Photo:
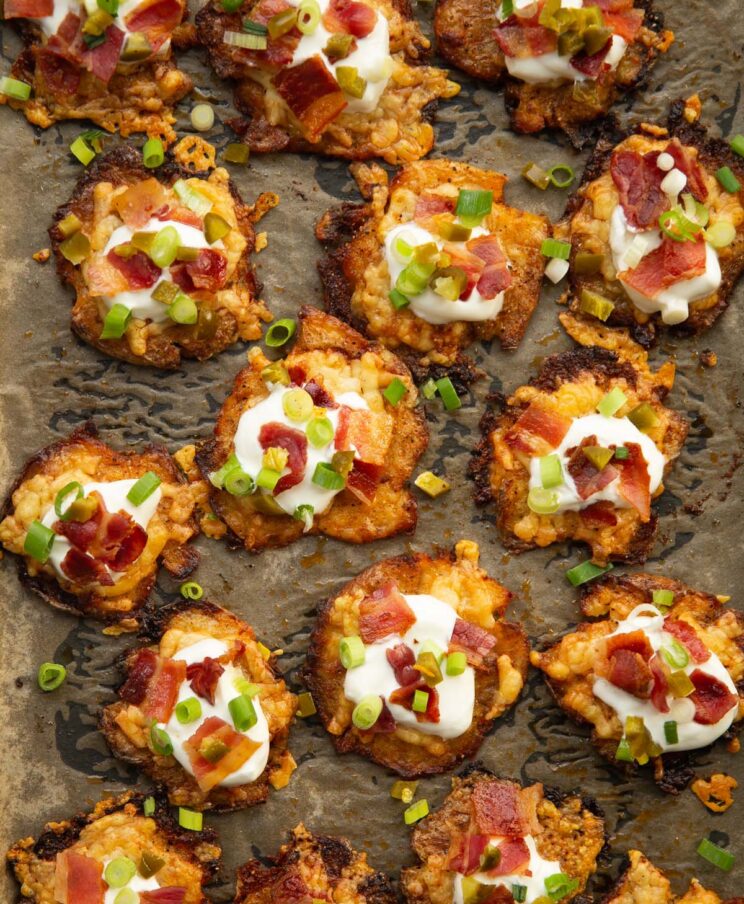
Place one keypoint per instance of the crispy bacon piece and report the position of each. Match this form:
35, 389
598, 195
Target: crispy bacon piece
688, 637
312, 94
240, 750
320, 397
591, 64
169, 894
103, 60
180, 214
466, 260
367, 431
140, 202
466, 852
280, 51
403, 696
84, 569
538, 430
203, 677
473, 641
629, 672
61, 75
349, 17
522, 37
661, 685
429, 206
495, 277
635, 641
139, 675
671, 262
77, 879
587, 478
635, 483
600, 514
685, 161
208, 272
515, 857
113, 538
138, 271
502, 808
295, 443
363, 481
402, 659
152, 684
622, 18
27, 9
156, 17
638, 181
385, 723
711, 697
290, 888
384, 612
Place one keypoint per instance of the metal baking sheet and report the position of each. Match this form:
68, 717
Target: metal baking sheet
53, 760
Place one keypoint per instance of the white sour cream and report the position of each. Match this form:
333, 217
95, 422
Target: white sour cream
114, 495
691, 734
250, 454
435, 621
50, 24
371, 59
428, 305
673, 303
136, 883
610, 431
140, 301
224, 693
540, 868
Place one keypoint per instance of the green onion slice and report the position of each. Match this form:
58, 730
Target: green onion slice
282, 23
153, 153
115, 322
728, 180
190, 819
308, 16
720, 234
473, 205
416, 812
148, 806
266, 478
50, 676
612, 402
217, 478
68, 490
280, 332
188, 710
38, 542
542, 501
325, 477
662, 597
623, 752
670, 732
119, 872
14, 89
367, 712
561, 181
621, 453
304, 513
238, 483
160, 740
298, 405
551, 472
81, 150
737, 145
183, 310
716, 855
586, 571
555, 248
519, 893
420, 701
448, 394
394, 391
675, 225
675, 655
191, 590
351, 652
320, 432
193, 199
456, 663
398, 299
429, 389
144, 488
559, 885
165, 246
536, 176
242, 712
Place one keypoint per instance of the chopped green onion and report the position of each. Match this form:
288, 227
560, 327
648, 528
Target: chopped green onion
202, 117
557, 181
367, 712
584, 264
254, 28
720, 234
267, 479
50, 676
327, 478
350, 81
192, 198
115, 322
14, 89
612, 402
237, 483
119, 872
595, 304
623, 752
242, 712
420, 701
536, 176
643, 417
191, 590
148, 806
675, 225
716, 855
153, 153
188, 710
161, 742
351, 652
737, 145
320, 432
183, 310
394, 391
217, 478
473, 205
253, 40
662, 597
38, 542
231, 6
68, 490
416, 812
306, 705
675, 655
298, 405
144, 488
308, 16
276, 372
559, 885
431, 484
586, 571
694, 210
448, 394
414, 278
280, 332
457, 662
398, 299
165, 246
282, 23
542, 501
126, 896
670, 732
507, 8
402, 251
555, 248
429, 389
728, 180
82, 150
519, 893
190, 819
235, 152
109, 6
304, 513
621, 453
551, 472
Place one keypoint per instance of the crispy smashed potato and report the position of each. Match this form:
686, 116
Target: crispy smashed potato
457, 580
106, 191
571, 384
571, 831
356, 280
320, 867
118, 827
715, 793
84, 458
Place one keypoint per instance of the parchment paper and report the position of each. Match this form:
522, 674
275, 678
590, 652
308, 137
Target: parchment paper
53, 760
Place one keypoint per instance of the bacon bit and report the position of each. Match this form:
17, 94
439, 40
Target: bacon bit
626, 24
403, 696
385, 723
429, 207
495, 277
661, 686
518, 37
466, 852
240, 750
515, 857
83, 569
42, 256
350, 17
169, 894
688, 637
140, 202
295, 443
472, 640
384, 612
630, 673
537, 431
320, 397
28, 9
157, 18
312, 94
77, 879
693, 108
585, 475
103, 60
369, 432
635, 641
635, 483
502, 808
113, 538
297, 375
279, 52
162, 690
139, 675
290, 888
180, 214
600, 514
402, 659
362, 482
138, 270
208, 272
711, 697
203, 677
638, 181
591, 65
715, 793
60, 74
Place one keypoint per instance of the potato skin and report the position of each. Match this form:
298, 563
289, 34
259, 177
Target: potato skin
573, 382
192, 858
175, 512
321, 338
586, 229
356, 281
328, 865
611, 599
465, 38
161, 348
480, 599
573, 833
207, 619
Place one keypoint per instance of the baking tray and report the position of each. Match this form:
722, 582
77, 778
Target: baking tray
54, 762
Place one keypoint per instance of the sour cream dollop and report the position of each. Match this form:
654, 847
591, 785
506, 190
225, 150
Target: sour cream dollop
435, 621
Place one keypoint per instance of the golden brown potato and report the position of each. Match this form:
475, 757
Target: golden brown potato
356, 279
465, 35
330, 353
478, 601
82, 457
586, 223
398, 130
117, 827
570, 385
116, 191
565, 827
571, 665
643, 883
126, 724
317, 866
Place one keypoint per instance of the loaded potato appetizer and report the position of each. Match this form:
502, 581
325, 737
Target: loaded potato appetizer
313, 867
563, 63
203, 711
657, 229
411, 663
128, 849
658, 673
494, 842
90, 525
336, 77
109, 62
433, 262
581, 451
322, 441
159, 261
